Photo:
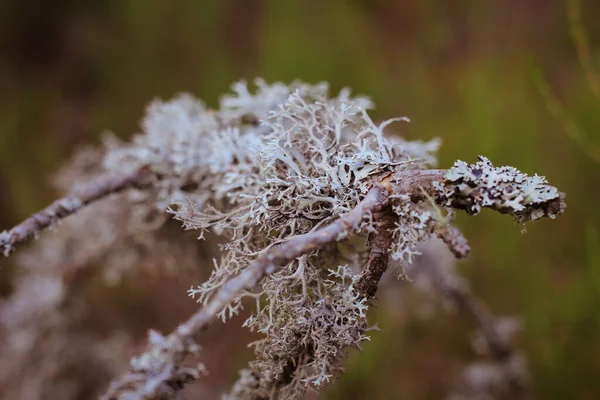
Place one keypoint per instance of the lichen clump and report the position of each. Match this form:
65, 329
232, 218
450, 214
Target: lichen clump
266, 166
276, 171
285, 161
505, 189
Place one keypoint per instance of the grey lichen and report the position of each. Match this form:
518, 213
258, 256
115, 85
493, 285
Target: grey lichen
505, 189
286, 173
310, 161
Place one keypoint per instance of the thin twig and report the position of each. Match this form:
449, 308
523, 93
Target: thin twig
60, 209
456, 242
496, 342
486, 322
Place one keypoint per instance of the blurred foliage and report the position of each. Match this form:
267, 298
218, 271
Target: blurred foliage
507, 80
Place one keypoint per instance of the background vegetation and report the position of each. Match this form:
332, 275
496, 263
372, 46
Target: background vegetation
514, 81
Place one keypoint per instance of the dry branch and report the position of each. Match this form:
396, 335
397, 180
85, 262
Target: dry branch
157, 372
60, 209
496, 340
456, 242
271, 187
154, 373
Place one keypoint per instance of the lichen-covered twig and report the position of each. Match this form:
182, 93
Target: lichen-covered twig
454, 240
365, 286
315, 169
501, 371
153, 373
497, 342
60, 209
471, 187
375, 199
499, 349
494, 333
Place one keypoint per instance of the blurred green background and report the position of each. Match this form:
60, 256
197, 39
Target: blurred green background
512, 80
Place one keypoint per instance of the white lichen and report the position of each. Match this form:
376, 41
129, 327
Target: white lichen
505, 189
268, 165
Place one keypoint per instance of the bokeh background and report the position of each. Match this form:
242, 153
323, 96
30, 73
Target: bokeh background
516, 81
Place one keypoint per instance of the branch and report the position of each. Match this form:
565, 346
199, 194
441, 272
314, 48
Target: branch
486, 322
471, 187
454, 240
379, 257
368, 282
497, 341
157, 372
153, 373
60, 209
